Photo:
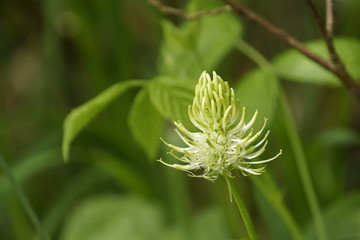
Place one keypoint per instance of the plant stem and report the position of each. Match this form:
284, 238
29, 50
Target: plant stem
242, 208
23, 200
303, 169
294, 141
269, 189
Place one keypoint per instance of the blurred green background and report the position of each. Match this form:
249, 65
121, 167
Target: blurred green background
56, 55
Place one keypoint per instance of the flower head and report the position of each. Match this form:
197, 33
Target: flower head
225, 141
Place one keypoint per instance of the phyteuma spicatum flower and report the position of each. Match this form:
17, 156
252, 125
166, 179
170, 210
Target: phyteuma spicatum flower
225, 141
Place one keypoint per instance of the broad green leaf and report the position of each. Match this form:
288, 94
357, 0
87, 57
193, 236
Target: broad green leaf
342, 220
199, 44
294, 66
172, 97
82, 115
178, 53
146, 124
258, 90
215, 35
112, 218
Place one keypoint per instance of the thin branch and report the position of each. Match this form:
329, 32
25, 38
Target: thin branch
336, 66
329, 17
326, 33
317, 16
326, 30
279, 33
188, 16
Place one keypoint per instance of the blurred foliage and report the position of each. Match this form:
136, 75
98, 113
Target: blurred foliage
291, 64
342, 219
115, 217
68, 66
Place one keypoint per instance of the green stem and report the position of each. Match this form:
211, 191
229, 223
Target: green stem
300, 159
269, 189
242, 208
255, 56
303, 169
23, 200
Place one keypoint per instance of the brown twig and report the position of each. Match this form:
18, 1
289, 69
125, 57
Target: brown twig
336, 66
329, 17
317, 16
279, 33
327, 34
188, 16
324, 33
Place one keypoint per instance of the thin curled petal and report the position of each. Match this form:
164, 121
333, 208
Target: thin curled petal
184, 130
180, 167
256, 154
266, 160
182, 159
256, 135
251, 122
173, 147
256, 171
238, 127
188, 142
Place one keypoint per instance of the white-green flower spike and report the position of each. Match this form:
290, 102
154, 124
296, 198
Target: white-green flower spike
225, 141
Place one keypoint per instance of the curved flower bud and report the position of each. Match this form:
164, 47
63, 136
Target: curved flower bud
225, 141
